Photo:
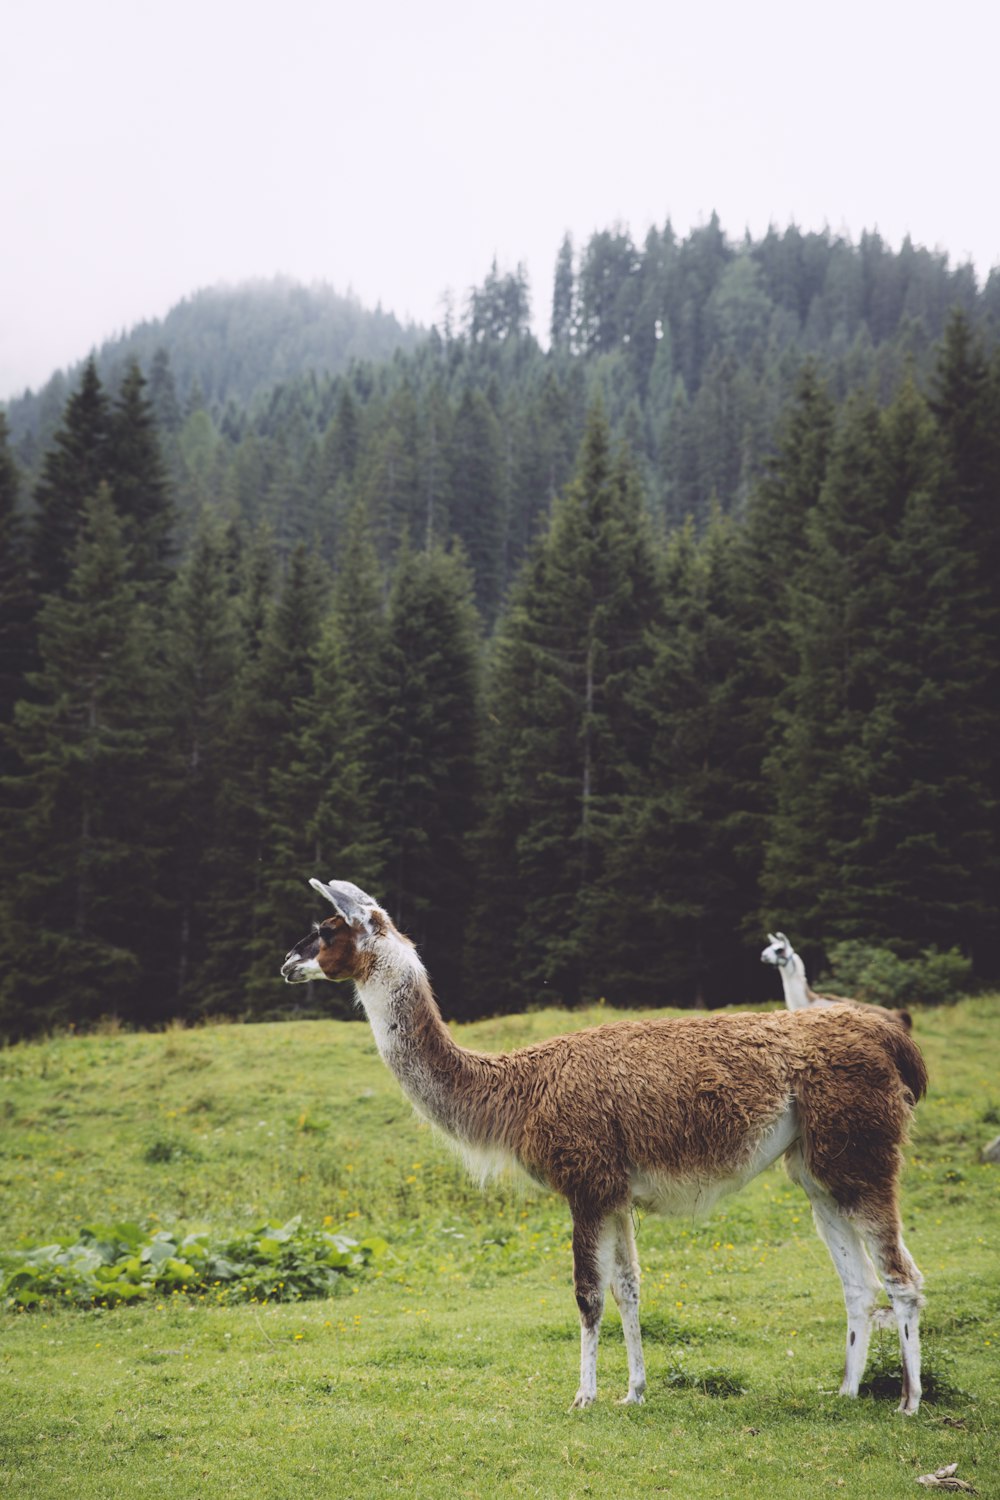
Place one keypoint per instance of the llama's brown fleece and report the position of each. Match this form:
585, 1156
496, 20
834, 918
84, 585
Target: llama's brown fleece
584, 1111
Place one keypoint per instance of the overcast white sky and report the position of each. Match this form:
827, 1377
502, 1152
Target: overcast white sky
395, 148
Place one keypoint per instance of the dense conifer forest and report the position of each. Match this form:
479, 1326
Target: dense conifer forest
592, 659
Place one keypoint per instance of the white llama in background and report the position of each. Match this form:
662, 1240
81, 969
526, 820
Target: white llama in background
664, 1114
798, 993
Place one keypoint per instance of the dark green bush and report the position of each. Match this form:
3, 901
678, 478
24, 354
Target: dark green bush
883, 978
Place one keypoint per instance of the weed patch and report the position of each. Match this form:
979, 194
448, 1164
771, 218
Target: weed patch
109, 1264
712, 1381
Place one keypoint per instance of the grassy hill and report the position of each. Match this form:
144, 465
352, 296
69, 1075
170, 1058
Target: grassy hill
448, 1366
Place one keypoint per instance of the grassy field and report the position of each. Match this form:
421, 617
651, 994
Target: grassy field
448, 1367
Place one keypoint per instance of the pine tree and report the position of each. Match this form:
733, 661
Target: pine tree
816, 773
139, 481
233, 859
163, 394
926, 857
342, 441
479, 500
774, 554
17, 602
271, 697
391, 481
86, 746
679, 863
324, 813
202, 661
881, 824
560, 734
427, 758
74, 466
436, 467
563, 297
966, 402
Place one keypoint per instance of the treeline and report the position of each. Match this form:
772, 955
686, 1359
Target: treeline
278, 402
643, 747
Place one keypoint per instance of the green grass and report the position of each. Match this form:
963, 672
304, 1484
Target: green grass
448, 1367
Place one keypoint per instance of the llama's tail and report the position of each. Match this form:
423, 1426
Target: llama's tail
905, 1054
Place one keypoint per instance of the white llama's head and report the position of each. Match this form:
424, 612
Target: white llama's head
779, 950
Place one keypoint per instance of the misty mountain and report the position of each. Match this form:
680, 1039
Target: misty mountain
227, 344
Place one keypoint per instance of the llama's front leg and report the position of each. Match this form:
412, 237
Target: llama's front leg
625, 1289
593, 1250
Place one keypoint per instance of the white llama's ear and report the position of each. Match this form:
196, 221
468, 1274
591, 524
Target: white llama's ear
771, 938
782, 939
348, 901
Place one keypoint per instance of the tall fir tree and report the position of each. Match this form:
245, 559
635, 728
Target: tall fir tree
679, 861
426, 758
324, 813
17, 600
881, 824
816, 772
163, 394
479, 497
563, 300
270, 698
74, 466
559, 735
87, 748
926, 860
139, 481
965, 399
201, 648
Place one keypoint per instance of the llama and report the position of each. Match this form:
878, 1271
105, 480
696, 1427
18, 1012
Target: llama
799, 995
667, 1115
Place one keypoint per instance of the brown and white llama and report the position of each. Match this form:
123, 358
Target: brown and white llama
799, 994
664, 1114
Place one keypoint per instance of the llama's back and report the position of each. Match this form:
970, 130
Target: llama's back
696, 1095
692, 1096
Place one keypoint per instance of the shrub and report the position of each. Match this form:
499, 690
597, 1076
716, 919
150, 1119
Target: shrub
880, 976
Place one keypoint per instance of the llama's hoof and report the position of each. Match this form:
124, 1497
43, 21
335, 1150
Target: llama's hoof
583, 1399
634, 1398
908, 1408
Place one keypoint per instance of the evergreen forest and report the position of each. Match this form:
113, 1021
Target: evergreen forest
592, 658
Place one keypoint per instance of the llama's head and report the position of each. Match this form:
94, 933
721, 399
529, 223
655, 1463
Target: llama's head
779, 950
340, 946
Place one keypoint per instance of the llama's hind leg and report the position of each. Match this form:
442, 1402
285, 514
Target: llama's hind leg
625, 1289
594, 1238
903, 1283
853, 1265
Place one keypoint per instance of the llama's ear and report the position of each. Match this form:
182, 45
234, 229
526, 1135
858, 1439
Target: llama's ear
348, 901
782, 939
771, 938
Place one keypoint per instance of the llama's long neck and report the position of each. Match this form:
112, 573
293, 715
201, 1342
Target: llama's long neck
793, 982
457, 1090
